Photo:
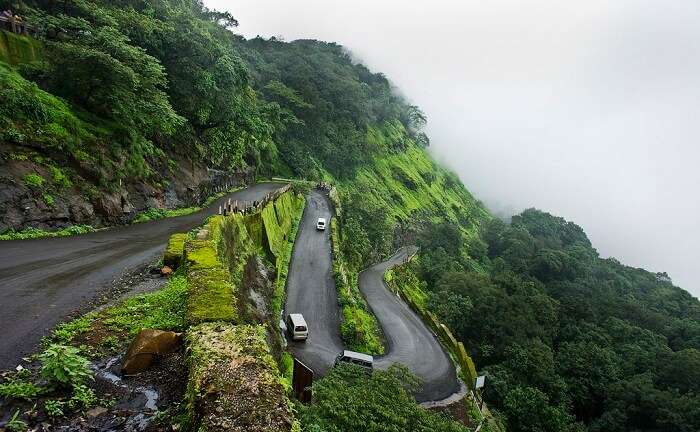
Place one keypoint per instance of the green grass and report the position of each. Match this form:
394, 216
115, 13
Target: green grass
156, 213
16, 49
33, 233
163, 310
360, 329
404, 279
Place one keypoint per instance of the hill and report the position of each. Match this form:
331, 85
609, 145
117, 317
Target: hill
131, 105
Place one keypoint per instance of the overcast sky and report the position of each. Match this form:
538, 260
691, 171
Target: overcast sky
589, 110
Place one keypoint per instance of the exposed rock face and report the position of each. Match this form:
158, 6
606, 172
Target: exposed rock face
81, 199
146, 346
255, 290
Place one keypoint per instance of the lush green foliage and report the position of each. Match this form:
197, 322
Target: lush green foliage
63, 366
19, 389
569, 341
30, 233
157, 213
348, 400
163, 309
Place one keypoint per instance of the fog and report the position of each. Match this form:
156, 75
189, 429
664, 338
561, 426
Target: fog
590, 111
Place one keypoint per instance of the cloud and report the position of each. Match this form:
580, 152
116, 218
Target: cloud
587, 110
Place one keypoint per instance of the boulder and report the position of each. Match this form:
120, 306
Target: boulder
147, 345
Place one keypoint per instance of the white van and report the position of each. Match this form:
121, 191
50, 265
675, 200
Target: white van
296, 327
321, 224
364, 361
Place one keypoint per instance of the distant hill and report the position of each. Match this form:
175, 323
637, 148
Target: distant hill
126, 105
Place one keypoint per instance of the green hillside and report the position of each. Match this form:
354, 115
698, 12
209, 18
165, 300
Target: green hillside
128, 101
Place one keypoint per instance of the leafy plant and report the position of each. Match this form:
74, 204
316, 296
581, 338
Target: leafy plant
15, 424
63, 366
54, 408
33, 180
48, 199
17, 389
83, 397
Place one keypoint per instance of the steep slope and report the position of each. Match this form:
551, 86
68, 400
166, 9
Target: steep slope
133, 100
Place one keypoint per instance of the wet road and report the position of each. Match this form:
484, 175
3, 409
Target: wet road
408, 340
311, 289
311, 292
42, 281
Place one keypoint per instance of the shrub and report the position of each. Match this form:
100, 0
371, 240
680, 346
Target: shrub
60, 178
16, 389
54, 408
63, 366
347, 399
49, 199
33, 180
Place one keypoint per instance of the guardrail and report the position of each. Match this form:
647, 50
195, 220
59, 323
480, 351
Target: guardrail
242, 206
17, 25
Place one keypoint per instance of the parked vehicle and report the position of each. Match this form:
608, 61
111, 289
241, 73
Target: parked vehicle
296, 327
321, 224
364, 361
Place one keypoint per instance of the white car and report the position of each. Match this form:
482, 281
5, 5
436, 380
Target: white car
321, 224
296, 327
364, 361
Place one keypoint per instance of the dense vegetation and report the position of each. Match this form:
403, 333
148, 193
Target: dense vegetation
568, 340
347, 399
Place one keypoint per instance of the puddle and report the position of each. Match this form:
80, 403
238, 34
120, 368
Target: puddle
137, 401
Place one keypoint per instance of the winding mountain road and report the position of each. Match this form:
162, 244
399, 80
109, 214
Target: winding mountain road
42, 281
311, 291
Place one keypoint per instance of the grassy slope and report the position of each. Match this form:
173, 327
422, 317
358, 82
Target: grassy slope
411, 188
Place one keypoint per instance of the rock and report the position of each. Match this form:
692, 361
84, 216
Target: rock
110, 207
166, 271
81, 211
203, 234
146, 346
96, 412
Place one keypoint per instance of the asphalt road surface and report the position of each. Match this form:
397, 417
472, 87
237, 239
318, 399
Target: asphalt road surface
311, 292
408, 340
42, 281
311, 289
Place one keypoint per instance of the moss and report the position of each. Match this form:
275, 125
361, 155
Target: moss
274, 235
172, 257
292, 209
211, 296
16, 49
234, 384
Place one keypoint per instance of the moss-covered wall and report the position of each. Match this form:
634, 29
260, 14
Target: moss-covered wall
16, 49
234, 384
172, 257
211, 294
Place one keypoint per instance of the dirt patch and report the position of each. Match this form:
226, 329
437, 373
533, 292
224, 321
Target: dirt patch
459, 411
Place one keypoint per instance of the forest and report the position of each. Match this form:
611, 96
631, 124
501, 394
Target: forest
569, 341
127, 89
